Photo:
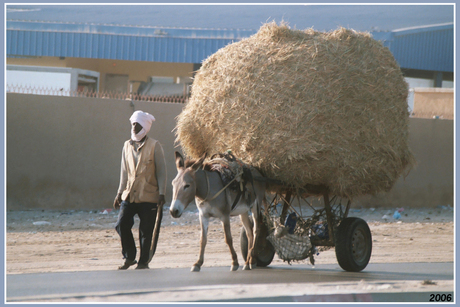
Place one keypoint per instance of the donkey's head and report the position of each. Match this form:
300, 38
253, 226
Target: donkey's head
184, 185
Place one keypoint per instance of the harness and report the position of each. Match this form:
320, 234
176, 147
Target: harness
241, 174
220, 191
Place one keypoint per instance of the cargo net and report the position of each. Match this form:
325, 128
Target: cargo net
292, 241
290, 247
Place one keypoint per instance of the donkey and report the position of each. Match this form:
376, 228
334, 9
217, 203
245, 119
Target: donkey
214, 200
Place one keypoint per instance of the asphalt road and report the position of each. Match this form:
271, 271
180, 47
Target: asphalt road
299, 282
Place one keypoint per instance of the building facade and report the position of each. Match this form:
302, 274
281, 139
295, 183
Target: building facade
127, 56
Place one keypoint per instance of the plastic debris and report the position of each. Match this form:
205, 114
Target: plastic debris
385, 217
106, 211
321, 230
41, 223
290, 223
397, 215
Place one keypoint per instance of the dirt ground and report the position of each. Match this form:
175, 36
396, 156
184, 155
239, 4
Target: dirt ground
41, 241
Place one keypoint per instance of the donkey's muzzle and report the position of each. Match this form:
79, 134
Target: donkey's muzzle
175, 213
176, 208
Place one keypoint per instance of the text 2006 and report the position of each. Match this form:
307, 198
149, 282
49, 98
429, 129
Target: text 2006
440, 297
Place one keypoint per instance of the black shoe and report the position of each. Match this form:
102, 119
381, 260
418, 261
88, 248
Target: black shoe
142, 266
127, 264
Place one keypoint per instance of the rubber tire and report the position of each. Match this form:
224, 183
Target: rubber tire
353, 244
265, 248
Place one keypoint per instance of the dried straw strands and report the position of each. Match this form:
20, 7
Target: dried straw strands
303, 107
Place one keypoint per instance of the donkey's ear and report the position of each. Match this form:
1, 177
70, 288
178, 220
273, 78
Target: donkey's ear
179, 160
200, 161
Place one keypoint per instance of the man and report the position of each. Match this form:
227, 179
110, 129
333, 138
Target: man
141, 191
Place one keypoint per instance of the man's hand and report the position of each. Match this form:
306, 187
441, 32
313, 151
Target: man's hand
117, 202
161, 200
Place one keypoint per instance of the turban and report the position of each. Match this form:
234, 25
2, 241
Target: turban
143, 118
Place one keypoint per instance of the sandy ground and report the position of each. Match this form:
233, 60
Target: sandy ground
63, 241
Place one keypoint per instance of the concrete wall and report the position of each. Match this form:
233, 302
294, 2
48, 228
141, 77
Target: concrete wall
431, 183
64, 153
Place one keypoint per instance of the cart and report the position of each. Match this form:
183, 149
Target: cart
300, 223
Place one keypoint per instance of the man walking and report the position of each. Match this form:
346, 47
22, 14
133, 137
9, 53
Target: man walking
141, 191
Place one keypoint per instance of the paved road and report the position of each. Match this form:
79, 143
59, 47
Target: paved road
299, 282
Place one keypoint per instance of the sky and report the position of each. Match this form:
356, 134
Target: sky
300, 16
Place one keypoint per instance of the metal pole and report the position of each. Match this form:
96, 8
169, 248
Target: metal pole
286, 205
330, 222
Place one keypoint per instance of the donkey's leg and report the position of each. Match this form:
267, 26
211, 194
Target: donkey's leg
229, 241
204, 221
248, 227
256, 229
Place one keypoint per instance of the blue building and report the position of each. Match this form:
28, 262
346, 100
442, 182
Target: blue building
128, 56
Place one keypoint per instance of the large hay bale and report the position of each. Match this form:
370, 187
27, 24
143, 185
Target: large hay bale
304, 107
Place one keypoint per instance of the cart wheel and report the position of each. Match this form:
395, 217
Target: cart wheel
265, 250
353, 244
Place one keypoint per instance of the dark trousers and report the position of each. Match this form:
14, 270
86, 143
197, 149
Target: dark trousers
147, 213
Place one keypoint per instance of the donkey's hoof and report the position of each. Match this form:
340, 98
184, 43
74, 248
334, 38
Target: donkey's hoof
195, 268
246, 267
234, 267
253, 266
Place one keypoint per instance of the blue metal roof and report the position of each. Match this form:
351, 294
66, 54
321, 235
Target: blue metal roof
423, 48
117, 42
128, 30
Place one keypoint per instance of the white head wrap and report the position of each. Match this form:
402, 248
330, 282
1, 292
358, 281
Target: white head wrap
145, 120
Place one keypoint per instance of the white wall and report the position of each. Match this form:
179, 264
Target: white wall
419, 82
413, 83
39, 79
